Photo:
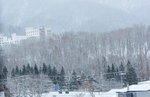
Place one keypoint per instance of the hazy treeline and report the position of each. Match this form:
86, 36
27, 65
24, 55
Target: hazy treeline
90, 53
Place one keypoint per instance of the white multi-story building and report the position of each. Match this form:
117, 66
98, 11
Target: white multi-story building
16, 39
47, 31
37, 32
30, 32
4, 41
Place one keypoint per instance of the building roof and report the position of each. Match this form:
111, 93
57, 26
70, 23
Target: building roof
133, 91
141, 86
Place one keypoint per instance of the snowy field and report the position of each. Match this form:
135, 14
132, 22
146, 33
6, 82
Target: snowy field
78, 94
112, 93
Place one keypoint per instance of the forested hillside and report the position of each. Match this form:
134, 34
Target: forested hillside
90, 53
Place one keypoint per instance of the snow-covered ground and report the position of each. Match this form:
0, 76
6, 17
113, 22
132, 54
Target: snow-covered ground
112, 93
1, 94
79, 94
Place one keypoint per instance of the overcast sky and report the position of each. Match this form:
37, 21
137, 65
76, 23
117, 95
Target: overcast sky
20, 12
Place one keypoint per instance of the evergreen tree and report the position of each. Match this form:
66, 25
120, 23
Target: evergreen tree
121, 67
83, 78
24, 71
49, 71
108, 75
112, 75
131, 77
121, 71
62, 77
17, 71
62, 72
108, 70
20, 72
54, 71
5, 71
113, 68
44, 70
13, 72
54, 75
28, 69
74, 84
36, 71
117, 74
117, 69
